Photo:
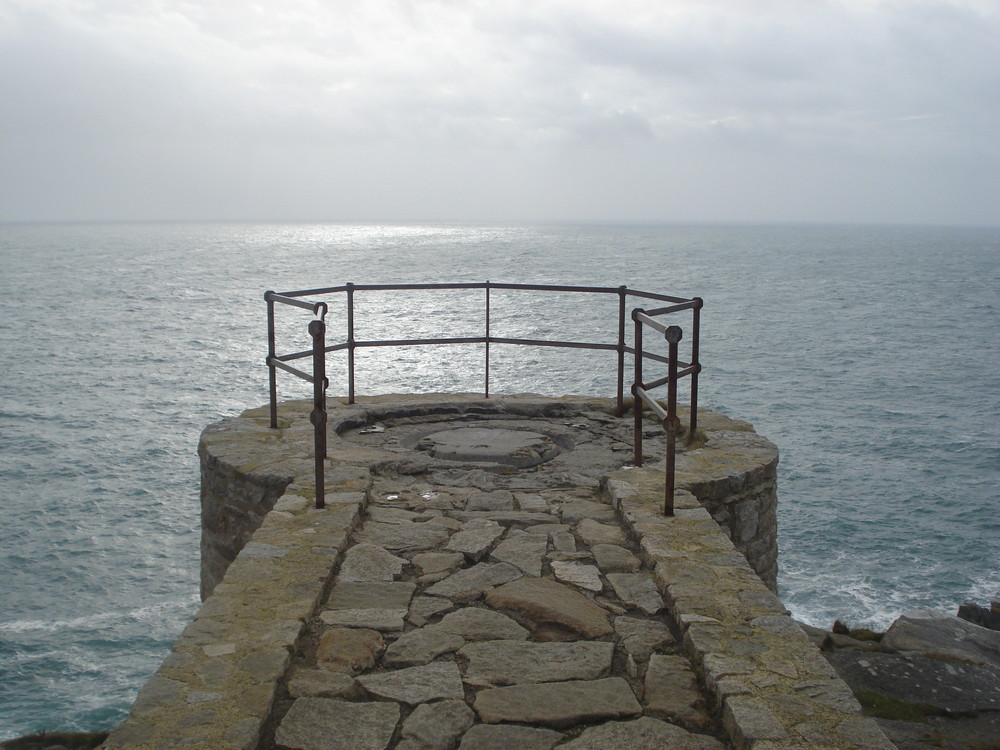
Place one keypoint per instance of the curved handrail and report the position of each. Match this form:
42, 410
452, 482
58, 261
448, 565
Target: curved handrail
640, 317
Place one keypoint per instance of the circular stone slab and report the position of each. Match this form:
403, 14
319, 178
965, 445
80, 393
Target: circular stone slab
518, 448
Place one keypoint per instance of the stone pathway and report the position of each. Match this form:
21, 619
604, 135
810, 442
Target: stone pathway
476, 619
468, 586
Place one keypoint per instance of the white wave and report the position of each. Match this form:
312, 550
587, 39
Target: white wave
101, 620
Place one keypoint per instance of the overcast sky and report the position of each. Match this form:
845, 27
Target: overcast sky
655, 110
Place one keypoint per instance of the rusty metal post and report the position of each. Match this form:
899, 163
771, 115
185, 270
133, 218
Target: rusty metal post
636, 385
673, 336
695, 339
620, 404
317, 329
350, 342
486, 386
272, 375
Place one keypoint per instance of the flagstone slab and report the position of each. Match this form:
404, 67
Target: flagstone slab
435, 726
640, 638
532, 502
475, 538
326, 724
522, 550
376, 605
420, 647
611, 558
563, 541
592, 532
558, 704
414, 685
637, 590
496, 500
369, 562
318, 683
670, 691
520, 662
370, 595
388, 514
547, 529
422, 608
584, 576
384, 620
641, 734
507, 517
403, 537
576, 510
545, 602
469, 584
509, 737
475, 624
348, 650
437, 562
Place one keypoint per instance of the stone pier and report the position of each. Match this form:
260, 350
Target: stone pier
489, 573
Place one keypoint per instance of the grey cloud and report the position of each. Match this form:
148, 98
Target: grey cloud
637, 110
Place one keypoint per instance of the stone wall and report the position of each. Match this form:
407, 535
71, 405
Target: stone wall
733, 474
233, 506
772, 685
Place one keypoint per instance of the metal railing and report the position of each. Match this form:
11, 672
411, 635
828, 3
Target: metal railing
319, 349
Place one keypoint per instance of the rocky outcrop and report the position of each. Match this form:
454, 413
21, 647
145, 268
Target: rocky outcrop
772, 686
933, 680
988, 618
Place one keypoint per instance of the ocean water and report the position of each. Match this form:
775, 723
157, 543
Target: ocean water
868, 354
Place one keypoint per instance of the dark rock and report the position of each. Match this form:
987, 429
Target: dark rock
933, 634
987, 618
930, 686
836, 641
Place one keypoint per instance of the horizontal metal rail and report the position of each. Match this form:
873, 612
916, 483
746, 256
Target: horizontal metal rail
419, 342
285, 297
656, 325
652, 403
317, 330
563, 344
292, 370
665, 380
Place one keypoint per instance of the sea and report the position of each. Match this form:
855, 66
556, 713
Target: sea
869, 354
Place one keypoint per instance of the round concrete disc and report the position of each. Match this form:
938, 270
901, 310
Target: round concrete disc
518, 448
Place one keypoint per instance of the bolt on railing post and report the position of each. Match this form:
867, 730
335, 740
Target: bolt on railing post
695, 339
486, 386
620, 405
350, 342
636, 385
317, 329
272, 375
673, 336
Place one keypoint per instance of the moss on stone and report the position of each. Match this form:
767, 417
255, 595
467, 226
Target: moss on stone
884, 707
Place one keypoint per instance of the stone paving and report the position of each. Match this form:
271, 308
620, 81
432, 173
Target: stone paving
488, 573
496, 618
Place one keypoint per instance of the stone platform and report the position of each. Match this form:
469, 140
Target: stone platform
488, 574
